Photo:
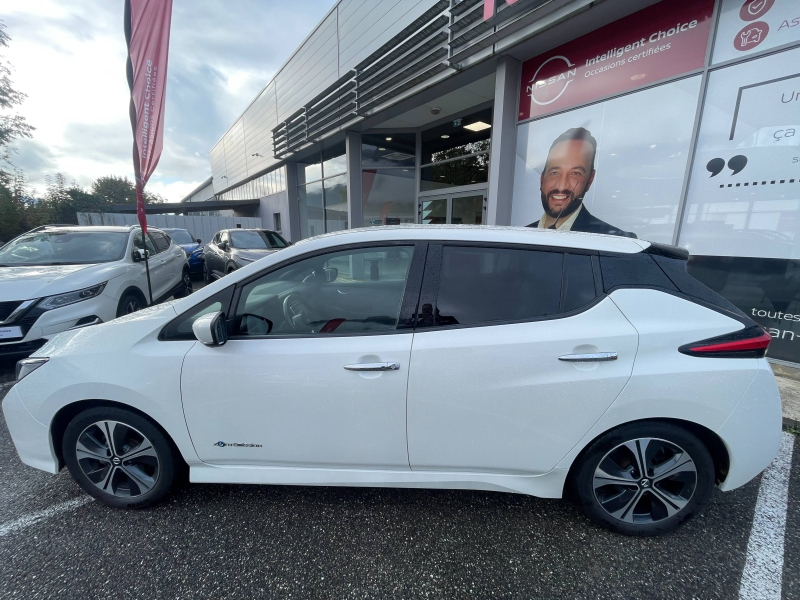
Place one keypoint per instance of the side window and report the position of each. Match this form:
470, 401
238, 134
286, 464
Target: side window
352, 291
137, 243
160, 240
579, 287
480, 285
181, 328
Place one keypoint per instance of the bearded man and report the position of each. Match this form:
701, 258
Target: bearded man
568, 174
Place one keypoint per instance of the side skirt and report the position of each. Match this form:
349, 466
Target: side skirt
548, 485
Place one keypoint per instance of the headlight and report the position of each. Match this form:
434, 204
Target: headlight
72, 297
27, 366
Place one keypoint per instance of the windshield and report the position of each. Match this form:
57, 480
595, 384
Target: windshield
181, 236
246, 239
64, 248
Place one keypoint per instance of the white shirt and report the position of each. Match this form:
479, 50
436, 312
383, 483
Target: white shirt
567, 224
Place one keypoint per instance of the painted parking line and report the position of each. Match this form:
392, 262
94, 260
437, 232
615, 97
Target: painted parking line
28, 520
763, 569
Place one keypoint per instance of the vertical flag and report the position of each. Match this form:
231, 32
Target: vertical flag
147, 24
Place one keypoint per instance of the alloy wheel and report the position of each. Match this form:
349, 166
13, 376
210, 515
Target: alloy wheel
645, 480
117, 459
132, 305
187, 282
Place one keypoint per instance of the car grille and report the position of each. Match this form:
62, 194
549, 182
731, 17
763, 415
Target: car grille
6, 308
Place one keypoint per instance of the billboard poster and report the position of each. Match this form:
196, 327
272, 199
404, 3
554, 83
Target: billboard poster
613, 167
654, 44
748, 26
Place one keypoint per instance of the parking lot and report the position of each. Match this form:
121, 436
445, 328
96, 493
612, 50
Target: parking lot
301, 542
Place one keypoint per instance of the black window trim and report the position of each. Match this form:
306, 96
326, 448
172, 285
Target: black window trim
408, 304
430, 284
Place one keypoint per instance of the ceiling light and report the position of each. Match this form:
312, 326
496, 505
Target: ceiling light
445, 136
388, 139
381, 149
477, 126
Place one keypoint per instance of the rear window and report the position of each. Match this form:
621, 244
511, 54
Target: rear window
479, 285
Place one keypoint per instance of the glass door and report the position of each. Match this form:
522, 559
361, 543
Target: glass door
466, 208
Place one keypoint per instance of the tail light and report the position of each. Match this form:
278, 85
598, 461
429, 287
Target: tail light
750, 342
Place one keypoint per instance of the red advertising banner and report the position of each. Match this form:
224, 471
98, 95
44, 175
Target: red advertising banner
661, 41
147, 24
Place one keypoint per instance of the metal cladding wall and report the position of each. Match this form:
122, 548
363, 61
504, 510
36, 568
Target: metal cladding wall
350, 32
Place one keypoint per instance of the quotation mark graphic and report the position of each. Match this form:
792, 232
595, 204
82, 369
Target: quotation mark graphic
735, 164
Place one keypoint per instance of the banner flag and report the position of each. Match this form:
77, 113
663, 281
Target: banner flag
147, 24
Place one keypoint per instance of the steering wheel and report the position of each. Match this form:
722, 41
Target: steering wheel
297, 312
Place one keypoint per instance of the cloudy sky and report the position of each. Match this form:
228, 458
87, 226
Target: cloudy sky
69, 58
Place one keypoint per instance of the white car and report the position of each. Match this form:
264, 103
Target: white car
503, 359
56, 278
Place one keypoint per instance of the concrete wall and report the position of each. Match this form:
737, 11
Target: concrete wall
200, 227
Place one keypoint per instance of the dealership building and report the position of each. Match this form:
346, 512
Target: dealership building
445, 111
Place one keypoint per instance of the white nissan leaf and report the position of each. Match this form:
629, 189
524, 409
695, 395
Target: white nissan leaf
512, 360
56, 278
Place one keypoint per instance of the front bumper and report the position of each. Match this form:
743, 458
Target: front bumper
31, 438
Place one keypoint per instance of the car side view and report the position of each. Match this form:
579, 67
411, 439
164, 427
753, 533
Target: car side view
57, 278
513, 360
231, 249
192, 247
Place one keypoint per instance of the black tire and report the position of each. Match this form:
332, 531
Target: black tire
678, 478
206, 273
230, 270
186, 284
138, 482
130, 303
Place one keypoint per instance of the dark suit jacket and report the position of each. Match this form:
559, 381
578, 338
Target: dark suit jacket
588, 223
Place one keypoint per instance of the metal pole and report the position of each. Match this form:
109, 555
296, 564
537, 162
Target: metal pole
147, 268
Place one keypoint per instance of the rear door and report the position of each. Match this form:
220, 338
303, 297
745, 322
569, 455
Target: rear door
172, 258
495, 385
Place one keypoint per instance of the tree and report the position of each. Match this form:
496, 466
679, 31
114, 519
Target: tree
11, 126
120, 190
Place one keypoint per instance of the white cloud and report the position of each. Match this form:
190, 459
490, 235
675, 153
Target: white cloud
69, 58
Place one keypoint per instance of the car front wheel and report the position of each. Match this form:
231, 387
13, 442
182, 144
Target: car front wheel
129, 303
186, 284
644, 479
118, 457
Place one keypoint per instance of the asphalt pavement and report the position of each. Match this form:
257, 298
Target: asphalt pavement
235, 541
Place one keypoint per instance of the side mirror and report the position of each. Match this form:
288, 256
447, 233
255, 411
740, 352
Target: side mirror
139, 255
331, 273
199, 241
225, 246
210, 329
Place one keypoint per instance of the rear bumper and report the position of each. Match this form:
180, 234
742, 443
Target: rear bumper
31, 438
752, 432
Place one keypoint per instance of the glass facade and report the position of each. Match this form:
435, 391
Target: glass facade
322, 191
265, 185
388, 192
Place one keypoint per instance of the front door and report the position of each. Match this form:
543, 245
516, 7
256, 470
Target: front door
315, 372
463, 208
496, 383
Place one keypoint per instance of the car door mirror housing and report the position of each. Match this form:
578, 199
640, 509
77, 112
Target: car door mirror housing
210, 329
331, 273
225, 246
139, 255
199, 241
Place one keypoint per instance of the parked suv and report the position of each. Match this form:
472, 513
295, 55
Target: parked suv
192, 246
55, 278
541, 361
231, 249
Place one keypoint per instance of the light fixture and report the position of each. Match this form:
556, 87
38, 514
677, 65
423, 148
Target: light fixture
388, 139
445, 136
477, 126
381, 149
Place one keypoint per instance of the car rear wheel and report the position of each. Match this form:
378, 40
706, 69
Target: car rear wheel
644, 479
186, 284
118, 457
129, 303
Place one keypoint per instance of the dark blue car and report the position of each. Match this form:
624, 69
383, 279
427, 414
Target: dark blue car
193, 247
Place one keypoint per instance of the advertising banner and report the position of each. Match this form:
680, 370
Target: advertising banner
661, 41
747, 26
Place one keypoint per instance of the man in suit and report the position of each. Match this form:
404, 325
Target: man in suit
568, 174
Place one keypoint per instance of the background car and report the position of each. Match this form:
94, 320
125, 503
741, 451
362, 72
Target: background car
55, 278
541, 361
192, 246
231, 249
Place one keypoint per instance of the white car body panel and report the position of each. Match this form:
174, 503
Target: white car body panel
294, 398
125, 362
496, 398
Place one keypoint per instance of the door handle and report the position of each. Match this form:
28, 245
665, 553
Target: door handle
383, 366
592, 357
